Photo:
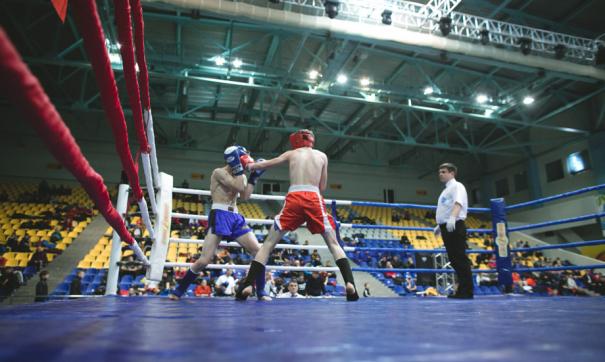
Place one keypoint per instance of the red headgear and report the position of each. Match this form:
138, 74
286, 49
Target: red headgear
302, 138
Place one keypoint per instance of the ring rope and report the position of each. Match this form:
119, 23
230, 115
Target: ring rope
557, 222
560, 246
24, 91
89, 25
345, 248
555, 197
327, 269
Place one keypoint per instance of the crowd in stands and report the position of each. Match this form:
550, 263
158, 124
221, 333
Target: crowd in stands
35, 222
553, 283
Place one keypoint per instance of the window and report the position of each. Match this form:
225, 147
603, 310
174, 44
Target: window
578, 162
502, 187
554, 171
521, 181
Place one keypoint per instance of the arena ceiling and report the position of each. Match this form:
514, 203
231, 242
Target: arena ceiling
217, 79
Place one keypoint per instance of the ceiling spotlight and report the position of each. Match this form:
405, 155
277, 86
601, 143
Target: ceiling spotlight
313, 74
560, 51
386, 17
331, 7
364, 82
525, 45
428, 91
528, 100
481, 98
484, 36
342, 79
445, 25
237, 63
219, 60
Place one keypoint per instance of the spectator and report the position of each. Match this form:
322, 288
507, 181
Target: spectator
9, 282
366, 290
410, 284
56, 236
315, 285
270, 285
203, 289
315, 258
38, 259
76, 284
292, 291
225, 284
42, 287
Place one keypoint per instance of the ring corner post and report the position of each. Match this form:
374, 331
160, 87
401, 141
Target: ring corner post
502, 244
111, 286
159, 249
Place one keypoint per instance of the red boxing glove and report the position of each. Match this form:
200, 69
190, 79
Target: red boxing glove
246, 160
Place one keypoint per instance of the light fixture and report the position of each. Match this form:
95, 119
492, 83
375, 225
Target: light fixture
331, 7
237, 63
445, 25
342, 79
525, 45
481, 98
527, 100
560, 51
371, 97
484, 36
386, 17
219, 60
313, 74
489, 112
428, 91
365, 81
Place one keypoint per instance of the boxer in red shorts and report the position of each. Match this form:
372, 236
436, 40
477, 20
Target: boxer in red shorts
304, 203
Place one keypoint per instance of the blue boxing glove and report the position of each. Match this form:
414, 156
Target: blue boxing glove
232, 156
255, 175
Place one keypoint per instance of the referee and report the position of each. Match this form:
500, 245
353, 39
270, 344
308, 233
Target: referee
451, 213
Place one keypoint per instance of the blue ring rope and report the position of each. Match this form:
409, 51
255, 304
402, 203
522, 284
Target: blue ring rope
561, 268
419, 270
555, 197
410, 206
560, 246
557, 222
410, 228
428, 251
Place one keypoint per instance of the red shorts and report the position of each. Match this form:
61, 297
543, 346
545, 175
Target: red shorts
304, 206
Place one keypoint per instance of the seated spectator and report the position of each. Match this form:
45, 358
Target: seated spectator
292, 291
48, 245
315, 258
315, 285
203, 289
410, 284
225, 284
23, 246
12, 242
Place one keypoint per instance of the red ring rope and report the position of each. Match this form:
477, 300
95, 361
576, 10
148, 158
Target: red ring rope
87, 21
122, 11
139, 40
24, 91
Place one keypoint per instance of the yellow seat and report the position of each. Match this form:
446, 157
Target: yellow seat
98, 264
84, 264
50, 257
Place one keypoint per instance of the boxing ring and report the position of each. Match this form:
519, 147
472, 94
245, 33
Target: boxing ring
495, 328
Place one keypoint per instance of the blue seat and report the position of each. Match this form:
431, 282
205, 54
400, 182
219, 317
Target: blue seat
92, 271
61, 289
340, 290
126, 279
88, 278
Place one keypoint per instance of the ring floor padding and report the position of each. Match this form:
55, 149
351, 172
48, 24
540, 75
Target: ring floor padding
499, 328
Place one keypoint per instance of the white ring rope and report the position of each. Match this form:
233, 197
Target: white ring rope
246, 267
180, 190
278, 246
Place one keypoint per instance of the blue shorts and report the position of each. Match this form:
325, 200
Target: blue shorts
229, 225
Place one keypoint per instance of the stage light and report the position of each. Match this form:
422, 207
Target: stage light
386, 17
331, 7
219, 60
484, 34
237, 63
342, 79
525, 45
527, 100
445, 25
481, 98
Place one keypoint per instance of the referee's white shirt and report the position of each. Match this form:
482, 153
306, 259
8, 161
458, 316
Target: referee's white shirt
454, 192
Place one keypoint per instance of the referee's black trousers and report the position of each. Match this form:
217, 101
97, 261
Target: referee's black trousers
455, 244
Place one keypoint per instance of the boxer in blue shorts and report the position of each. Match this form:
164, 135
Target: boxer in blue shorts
224, 222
